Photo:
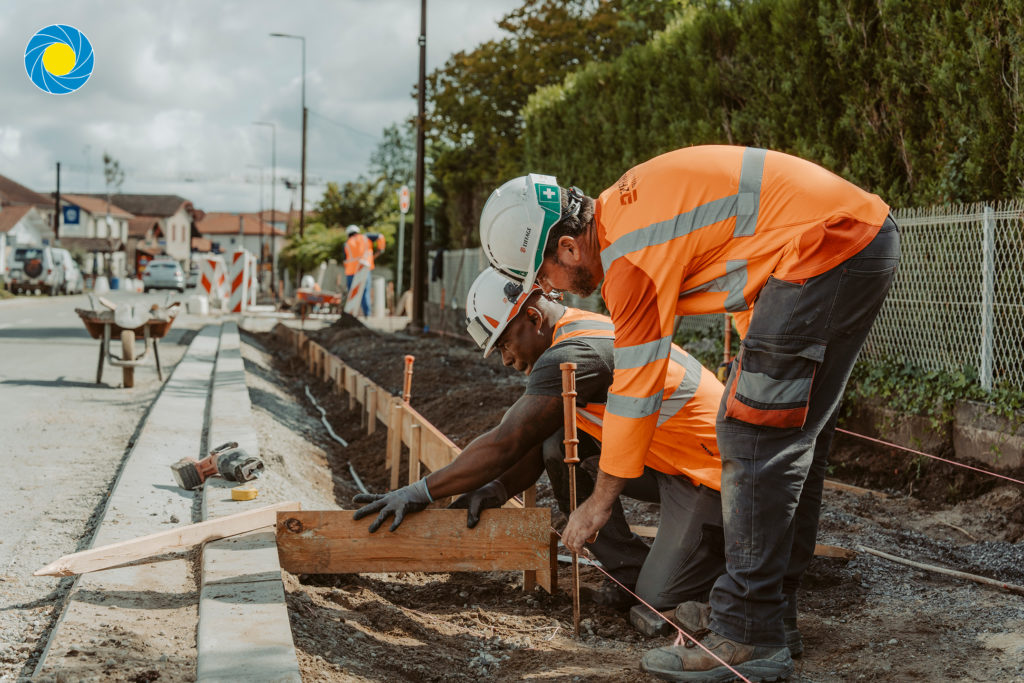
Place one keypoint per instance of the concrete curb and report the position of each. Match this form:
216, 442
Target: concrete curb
112, 605
244, 631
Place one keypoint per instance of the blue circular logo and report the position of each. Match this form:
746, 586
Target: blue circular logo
59, 59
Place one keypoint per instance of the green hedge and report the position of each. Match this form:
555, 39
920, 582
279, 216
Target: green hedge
917, 101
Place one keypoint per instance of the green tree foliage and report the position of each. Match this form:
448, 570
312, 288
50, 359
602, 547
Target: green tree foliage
475, 99
360, 202
919, 102
393, 163
319, 244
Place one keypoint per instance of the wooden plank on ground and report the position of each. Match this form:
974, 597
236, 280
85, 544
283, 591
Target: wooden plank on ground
855, 490
116, 554
821, 550
331, 542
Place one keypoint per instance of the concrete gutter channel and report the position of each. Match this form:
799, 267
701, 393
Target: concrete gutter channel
243, 628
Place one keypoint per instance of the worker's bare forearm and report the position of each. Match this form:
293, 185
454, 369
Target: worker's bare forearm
523, 428
607, 489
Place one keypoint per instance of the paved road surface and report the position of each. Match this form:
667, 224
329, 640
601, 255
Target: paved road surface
62, 441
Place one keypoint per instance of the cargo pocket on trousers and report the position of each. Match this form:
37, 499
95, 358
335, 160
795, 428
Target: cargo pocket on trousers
773, 381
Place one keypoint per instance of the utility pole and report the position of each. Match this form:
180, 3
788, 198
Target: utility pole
305, 116
418, 256
56, 210
273, 210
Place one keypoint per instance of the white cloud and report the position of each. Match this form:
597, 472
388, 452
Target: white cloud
178, 83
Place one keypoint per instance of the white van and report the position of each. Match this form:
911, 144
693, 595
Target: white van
34, 268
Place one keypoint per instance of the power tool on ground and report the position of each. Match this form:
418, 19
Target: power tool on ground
227, 460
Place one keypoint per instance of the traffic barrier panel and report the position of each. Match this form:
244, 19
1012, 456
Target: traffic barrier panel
212, 276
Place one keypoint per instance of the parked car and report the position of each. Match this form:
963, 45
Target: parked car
34, 268
192, 281
73, 282
163, 274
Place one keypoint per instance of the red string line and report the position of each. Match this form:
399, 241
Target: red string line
933, 457
680, 636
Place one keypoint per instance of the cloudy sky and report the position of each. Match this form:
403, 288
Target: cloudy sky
178, 83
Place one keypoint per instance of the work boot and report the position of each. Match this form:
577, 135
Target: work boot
681, 663
695, 619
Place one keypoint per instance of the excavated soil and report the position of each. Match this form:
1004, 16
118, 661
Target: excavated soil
862, 619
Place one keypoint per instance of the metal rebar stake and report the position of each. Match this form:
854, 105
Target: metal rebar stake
571, 459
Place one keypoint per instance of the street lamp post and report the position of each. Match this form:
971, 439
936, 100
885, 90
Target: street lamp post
302, 192
273, 208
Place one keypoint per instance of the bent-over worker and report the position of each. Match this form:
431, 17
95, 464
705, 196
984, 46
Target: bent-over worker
804, 260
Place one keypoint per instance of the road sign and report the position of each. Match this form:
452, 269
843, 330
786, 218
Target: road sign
70, 215
403, 199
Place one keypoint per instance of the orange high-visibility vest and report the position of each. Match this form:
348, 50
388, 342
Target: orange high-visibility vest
358, 252
700, 230
684, 439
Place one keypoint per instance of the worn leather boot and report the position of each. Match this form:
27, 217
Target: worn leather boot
695, 617
682, 663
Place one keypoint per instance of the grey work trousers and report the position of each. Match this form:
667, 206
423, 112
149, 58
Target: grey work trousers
687, 554
793, 365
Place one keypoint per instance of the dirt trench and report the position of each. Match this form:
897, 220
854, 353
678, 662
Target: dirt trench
863, 619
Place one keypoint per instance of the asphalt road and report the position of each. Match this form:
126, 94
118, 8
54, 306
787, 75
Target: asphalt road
62, 441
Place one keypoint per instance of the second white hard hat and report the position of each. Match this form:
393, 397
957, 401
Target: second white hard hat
493, 302
515, 223
351, 230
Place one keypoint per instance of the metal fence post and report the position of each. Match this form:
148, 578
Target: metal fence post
987, 295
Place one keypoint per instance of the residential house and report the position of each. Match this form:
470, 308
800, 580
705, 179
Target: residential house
176, 217
228, 232
99, 229
29, 215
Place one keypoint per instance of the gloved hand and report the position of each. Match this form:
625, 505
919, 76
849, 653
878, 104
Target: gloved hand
492, 495
411, 498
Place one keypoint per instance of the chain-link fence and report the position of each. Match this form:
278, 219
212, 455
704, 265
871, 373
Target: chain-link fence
957, 303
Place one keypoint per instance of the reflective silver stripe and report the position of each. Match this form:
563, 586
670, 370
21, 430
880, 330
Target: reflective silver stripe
733, 282
766, 389
590, 416
628, 406
664, 231
586, 325
641, 354
671, 406
749, 202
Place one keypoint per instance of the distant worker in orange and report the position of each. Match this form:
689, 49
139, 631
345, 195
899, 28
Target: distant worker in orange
360, 252
804, 260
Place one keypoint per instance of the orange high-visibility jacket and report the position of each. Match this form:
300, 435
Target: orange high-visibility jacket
684, 439
699, 230
358, 253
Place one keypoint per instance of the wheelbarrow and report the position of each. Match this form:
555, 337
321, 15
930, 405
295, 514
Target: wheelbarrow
129, 323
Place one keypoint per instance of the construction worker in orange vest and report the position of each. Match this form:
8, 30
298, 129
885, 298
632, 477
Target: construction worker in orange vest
803, 259
359, 253
682, 469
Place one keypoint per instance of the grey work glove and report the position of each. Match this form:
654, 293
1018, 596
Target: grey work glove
492, 495
411, 498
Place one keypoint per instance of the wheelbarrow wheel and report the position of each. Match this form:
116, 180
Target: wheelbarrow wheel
128, 353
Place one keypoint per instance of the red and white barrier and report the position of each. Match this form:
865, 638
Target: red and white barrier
213, 277
242, 278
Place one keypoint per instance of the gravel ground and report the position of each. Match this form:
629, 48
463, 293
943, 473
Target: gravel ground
862, 619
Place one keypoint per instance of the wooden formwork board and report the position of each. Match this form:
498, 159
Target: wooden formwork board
331, 542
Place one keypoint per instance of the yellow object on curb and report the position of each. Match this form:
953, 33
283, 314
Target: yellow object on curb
247, 493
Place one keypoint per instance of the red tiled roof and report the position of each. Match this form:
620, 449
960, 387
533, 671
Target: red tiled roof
138, 227
10, 215
222, 223
95, 205
16, 193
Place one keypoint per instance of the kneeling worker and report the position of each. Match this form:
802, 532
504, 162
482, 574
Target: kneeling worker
682, 469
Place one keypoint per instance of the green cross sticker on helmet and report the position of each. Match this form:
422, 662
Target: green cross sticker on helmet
515, 223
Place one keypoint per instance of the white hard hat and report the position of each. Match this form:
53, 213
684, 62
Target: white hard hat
493, 302
307, 282
515, 223
352, 229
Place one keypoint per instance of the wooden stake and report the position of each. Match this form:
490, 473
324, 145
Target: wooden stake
407, 384
116, 554
1013, 588
571, 459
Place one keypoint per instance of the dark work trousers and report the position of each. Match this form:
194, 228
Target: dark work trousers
687, 554
791, 372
